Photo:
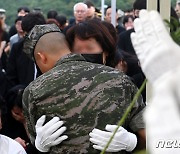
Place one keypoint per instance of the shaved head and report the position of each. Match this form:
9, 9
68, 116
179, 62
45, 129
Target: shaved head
53, 43
49, 49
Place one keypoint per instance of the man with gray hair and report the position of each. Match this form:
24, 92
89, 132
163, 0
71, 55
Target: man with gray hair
80, 14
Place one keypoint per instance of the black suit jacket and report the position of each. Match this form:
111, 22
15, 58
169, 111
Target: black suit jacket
2, 82
124, 41
20, 68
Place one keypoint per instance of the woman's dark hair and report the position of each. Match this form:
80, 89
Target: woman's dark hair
19, 18
109, 7
26, 9
111, 29
61, 19
94, 29
32, 19
14, 97
139, 5
52, 14
131, 60
88, 3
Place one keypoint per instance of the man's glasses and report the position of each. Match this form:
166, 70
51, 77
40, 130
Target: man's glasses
80, 11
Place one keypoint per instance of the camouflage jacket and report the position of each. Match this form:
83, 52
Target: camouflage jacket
85, 96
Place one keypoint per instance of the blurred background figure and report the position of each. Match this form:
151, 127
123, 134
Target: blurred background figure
4, 40
108, 14
16, 37
124, 41
111, 29
52, 14
52, 21
108, 11
177, 8
98, 13
13, 120
129, 12
91, 9
62, 20
128, 22
21, 11
8, 145
20, 68
2, 68
80, 14
3, 18
37, 10
129, 64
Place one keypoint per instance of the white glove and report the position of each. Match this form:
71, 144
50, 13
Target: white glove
154, 47
159, 57
162, 116
50, 134
123, 140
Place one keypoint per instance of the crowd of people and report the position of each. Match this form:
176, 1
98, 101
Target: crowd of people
81, 73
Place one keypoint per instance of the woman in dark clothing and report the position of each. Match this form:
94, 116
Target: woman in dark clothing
13, 119
129, 64
3, 39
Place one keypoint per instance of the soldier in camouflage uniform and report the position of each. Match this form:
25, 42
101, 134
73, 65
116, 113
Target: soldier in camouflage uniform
84, 95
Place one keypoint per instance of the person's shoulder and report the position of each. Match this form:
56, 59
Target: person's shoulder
17, 48
120, 29
68, 27
40, 81
126, 33
100, 69
45, 83
13, 37
11, 145
111, 74
19, 43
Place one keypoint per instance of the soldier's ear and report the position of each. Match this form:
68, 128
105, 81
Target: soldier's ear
42, 57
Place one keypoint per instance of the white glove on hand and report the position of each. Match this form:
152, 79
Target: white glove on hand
123, 140
153, 45
162, 116
50, 134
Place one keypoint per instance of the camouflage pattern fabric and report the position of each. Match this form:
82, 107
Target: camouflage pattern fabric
85, 96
